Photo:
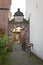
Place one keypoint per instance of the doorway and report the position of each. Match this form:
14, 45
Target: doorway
16, 34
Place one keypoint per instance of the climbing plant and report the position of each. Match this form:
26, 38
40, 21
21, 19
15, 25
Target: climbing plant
3, 46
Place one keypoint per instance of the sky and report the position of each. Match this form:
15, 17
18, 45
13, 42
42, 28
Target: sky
18, 4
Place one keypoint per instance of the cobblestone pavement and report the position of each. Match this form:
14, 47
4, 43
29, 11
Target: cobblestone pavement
20, 57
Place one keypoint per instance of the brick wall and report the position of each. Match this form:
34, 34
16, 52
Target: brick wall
4, 8
5, 3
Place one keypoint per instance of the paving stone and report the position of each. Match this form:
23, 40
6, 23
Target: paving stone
20, 57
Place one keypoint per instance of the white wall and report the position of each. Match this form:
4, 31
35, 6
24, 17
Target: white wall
34, 9
18, 18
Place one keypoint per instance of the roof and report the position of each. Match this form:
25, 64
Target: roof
18, 13
13, 21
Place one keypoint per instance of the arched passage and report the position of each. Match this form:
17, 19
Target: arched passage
16, 34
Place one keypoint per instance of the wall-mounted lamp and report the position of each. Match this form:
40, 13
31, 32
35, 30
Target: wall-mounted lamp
36, 6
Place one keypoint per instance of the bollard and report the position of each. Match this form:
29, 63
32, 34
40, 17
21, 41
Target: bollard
29, 49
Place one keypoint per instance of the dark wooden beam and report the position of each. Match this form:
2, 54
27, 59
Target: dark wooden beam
4, 8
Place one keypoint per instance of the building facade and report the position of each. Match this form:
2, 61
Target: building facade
34, 9
4, 9
16, 24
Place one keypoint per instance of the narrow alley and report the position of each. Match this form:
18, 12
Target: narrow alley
20, 57
21, 21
